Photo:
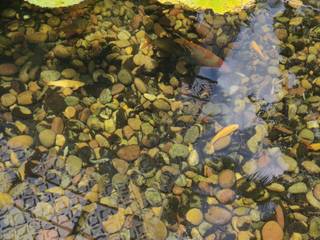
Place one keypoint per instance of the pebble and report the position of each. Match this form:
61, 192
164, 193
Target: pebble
297, 188
117, 88
115, 222
314, 227
155, 229
62, 51
306, 134
218, 215
37, 37
161, 104
125, 77
153, 196
69, 73
73, 165
194, 216
178, 150
8, 99
57, 125
134, 123
226, 178
272, 230
47, 138
25, 98
225, 195
140, 85
287, 163
49, 75
129, 152
8, 69
109, 126
120, 165
193, 158
312, 200
311, 167
21, 141
191, 134
316, 191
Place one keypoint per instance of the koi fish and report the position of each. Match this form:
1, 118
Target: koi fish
65, 83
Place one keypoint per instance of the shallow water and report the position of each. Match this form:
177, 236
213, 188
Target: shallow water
119, 121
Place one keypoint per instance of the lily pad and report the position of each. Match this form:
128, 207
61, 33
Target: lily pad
218, 6
54, 3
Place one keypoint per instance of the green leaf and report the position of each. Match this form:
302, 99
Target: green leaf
218, 6
54, 3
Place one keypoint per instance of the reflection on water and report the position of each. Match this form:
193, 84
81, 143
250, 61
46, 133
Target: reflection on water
127, 121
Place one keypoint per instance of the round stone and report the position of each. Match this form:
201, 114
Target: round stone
194, 216
25, 98
47, 138
178, 150
298, 188
218, 215
129, 153
226, 178
62, 51
125, 77
8, 99
37, 37
21, 141
272, 230
140, 85
73, 165
8, 69
316, 191
226, 195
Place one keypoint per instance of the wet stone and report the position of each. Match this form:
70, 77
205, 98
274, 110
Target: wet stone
22, 141
192, 134
49, 75
226, 178
314, 227
218, 215
61, 51
73, 165
272, 230
178, 150
8, 99
162, 104
194, 216
298, 188
37, 37
153, 197
8, 69
125, 77
129, 153
47, 137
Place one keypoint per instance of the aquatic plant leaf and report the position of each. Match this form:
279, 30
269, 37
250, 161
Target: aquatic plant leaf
54, 3
5, 200
218, 6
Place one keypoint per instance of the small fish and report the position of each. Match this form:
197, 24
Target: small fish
254, 45
201, 55
314, 146
66, 84
225, 132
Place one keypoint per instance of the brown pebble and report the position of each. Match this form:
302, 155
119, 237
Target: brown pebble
37, 37
57, 125
129, 153
84, 114
8, 99
8, 69
280, 216
218, 215
225, 195
61, 51
22, 141
272, 231
117, 88
25, 98
127, 132
226, 178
